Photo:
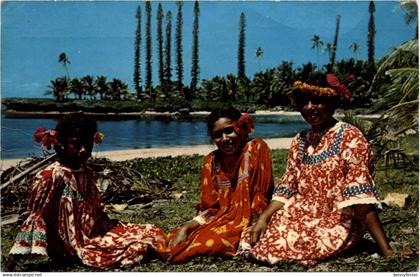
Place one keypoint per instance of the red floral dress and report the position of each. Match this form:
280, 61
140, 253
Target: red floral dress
318, 188
67, 220
227, 206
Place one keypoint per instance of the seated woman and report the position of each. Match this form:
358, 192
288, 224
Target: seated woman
327, 195
236, 185
66, 220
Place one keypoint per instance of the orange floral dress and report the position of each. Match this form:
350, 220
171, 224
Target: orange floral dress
318, 188
228, 206
66, 219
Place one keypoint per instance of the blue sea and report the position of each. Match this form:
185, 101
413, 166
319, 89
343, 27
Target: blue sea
17, 133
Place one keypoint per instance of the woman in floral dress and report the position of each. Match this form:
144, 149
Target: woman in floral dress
236, 185
327, 196
66, 220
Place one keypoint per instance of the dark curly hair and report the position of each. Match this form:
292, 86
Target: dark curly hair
75, 125
227, 112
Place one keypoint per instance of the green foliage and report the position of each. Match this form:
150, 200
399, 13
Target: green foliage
401, 225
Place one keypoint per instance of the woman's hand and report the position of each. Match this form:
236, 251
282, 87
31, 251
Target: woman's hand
180, 236
261, 225
258, 230
183, 232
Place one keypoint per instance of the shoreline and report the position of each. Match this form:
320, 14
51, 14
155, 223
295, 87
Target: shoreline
129, 154
42, 114
153, 114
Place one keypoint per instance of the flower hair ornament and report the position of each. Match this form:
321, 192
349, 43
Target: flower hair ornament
337, 87
98, 137
47, 138
244, 123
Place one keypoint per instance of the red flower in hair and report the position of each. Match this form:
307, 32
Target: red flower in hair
98, 137
46, 138
334, 82
244, 123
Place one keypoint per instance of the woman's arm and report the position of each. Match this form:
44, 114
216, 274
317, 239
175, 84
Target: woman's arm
369, 216
261, 225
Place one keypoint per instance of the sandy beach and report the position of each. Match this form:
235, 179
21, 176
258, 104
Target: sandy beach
128, 154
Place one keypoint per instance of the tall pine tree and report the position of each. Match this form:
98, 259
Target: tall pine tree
167, 66
178, 45
159, 18
241, 49
148, 80
371, 35
137, 59
195, 69
335, 43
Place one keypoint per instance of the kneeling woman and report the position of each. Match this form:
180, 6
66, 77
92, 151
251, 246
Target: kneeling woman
327, 195
236, 185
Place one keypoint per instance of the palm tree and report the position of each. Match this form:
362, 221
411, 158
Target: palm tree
62, 58
261, 87
58, 88
317, 44
232, 86
329, 50
77, 87
209, 90
259, 53
399, 102
89, 86
410, 7
118, 89
354, 47
101, 86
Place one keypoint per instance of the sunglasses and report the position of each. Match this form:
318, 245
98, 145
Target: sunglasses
218, 134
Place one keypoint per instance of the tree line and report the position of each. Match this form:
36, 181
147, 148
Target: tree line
269, 87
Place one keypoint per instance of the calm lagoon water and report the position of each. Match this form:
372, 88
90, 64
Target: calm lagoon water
17, 141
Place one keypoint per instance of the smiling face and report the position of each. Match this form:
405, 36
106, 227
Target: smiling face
225, 137
316, 110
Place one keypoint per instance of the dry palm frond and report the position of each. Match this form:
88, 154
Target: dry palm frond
117, 183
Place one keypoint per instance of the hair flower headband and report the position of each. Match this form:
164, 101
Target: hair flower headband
244, 123
324, 91
46, 138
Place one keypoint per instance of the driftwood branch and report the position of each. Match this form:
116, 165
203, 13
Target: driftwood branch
36, 166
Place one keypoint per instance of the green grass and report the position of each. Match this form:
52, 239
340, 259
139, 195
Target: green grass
401, 225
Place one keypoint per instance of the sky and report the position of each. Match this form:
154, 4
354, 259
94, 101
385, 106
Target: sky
98, 37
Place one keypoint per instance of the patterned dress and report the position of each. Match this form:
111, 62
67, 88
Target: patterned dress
318, 188
228, 206
67, 220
